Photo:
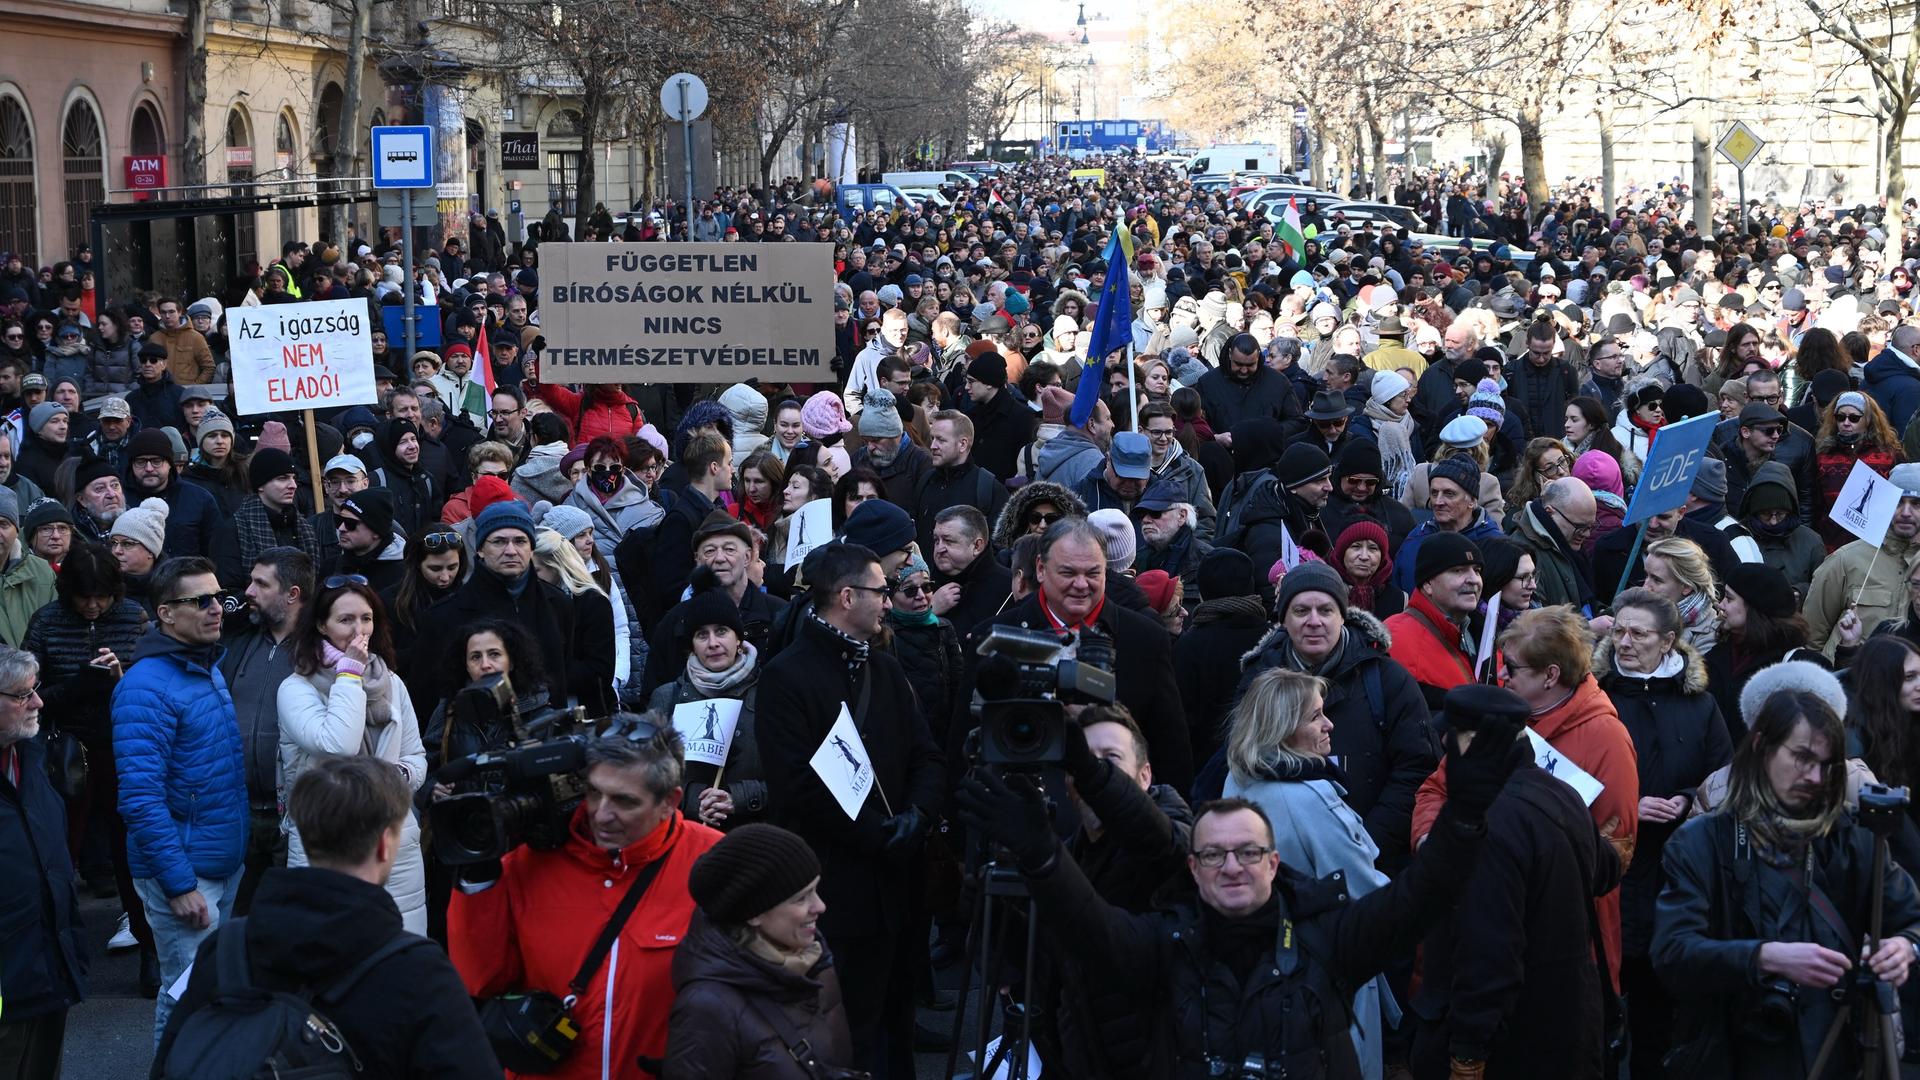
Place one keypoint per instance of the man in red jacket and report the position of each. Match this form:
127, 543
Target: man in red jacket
527, 922
1434, 638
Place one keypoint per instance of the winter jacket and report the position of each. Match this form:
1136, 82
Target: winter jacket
1794, 450
183, 781
539, 477
1381, 733
417, 499
71, 362
1258, 515
1207, 663
1480, 529
72, 689
1227, 401
1588, 732
901, 477
802, 691
1511, 975
43, 951
1800, 551
26, 585
156, 404
530, 927
38, 460
1002, 427
985, 587
1679, 739
1894, 385
312, 723
1870, 578
723, 999
930, 656
746, 773
1562, 578
749, 409
544, 611
627, 510
667, 658
228, 496
941, 487
1068, 457
468, 397
1540, 394
189, 359
194, 514
111, 369
254, 666
604, 409
1709, 926
1610, 555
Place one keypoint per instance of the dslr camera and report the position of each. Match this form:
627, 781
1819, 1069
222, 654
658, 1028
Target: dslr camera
522, 793
1025, 686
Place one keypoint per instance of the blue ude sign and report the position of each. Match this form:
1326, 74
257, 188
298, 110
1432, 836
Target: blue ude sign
403, 157
1672, 461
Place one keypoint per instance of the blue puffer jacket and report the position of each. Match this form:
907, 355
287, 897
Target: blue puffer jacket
183, 778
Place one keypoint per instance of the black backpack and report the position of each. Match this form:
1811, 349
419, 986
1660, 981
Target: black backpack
247, 1032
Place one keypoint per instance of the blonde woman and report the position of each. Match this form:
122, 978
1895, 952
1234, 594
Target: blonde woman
598, 647
1678, 570
1278, 742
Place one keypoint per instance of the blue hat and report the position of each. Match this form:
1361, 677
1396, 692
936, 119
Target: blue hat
1131, 456
913, 279
1016, 302
511, 514
879, 526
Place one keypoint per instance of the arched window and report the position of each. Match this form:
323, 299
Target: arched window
239, 170
326, 130
566, 124
17, 232
82, 168
284, 160
148, 138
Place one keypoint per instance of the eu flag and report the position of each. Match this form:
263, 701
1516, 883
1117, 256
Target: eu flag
1112, 325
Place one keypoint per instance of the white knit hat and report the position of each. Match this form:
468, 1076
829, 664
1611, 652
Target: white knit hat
145, 525
1387, 385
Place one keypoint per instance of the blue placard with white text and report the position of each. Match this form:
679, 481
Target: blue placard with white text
1672, 462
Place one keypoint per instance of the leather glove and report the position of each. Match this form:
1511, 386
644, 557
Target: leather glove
904, 831
1462, 1069
1474, 779
1011, 812
1079, 760
538, 344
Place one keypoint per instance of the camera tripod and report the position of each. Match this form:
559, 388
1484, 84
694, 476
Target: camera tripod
1870, 1003
999, 887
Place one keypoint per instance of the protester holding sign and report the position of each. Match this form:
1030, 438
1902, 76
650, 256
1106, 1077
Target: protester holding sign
711, 704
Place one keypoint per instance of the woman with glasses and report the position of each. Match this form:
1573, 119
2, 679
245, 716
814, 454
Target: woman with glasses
721, 665
1544, 461
1278, 751
927, 646
1658, 684
344, 698
1642, 413
1852, 428
1030, 510
1760, 625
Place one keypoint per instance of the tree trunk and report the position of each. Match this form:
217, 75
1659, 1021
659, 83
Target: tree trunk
346, 149
1377, 151
193, 144
1703, 149
1533, 161
1893, 159
591, 103
1604, 115
1496, 150
1317, 150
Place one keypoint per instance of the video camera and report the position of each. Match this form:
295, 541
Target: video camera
1025, 687
528, 789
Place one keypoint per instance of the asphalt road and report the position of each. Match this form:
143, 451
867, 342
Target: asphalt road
110, 1035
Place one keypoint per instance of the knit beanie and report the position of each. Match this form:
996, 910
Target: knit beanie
1362, 529
511, 514
1158, 586
1762, 588
1225, 572
823, 415
752, 870
149, 442
1360, 457
9, 505
1441, 552
1502, 557
1386, 386
1683, 401
486, 491
268, 463
1120, 542
145, 525
92, 469
212, 422
989, 368
1487, 404
273, 434
1310, 577
44, 512
708, 606
43, 412
879, 418
1055, 404
567, 520
1302, 464
1769, 496
879, 526
374, 507
1461, 470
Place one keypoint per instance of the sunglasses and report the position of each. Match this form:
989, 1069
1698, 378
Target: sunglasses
913, 590
338, 581
1043, 519
436, 542
1848, 417
203, 601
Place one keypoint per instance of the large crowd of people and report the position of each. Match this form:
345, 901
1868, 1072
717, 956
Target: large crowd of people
1411, 756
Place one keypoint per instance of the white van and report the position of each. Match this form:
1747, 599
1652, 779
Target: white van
957, 179
1237, 158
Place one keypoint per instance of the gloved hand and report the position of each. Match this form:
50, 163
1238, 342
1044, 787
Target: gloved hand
1462, 1069
538, 344
1474, 778
1010, 811
1080, 762
904, 831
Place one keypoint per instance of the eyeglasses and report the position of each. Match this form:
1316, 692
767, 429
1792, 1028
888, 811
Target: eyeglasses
1848, 417
1043, 518
347, 524
1214, 858
911, 590
885, 591
499, 414
443, 540
1579, 528
1160, 434
341, 580
1553, 466
203, 601
24, 696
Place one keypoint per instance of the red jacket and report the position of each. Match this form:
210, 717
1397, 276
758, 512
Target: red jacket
604, 409
1830, 471
532, 928
1586, 729
1434, 662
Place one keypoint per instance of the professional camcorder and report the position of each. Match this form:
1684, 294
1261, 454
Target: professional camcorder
526, 790
1025, 686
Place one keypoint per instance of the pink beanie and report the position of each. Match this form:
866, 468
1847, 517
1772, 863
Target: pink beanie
273, 433
1600, 472
823, 415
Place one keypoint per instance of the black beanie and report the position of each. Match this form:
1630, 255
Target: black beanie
1683, 401
1502, 563
150, 442
1441, 552
267, 463
708, 606
374, 506
1360, 457
1762, 588
1225, 572
989, 368
93, 469
752, 870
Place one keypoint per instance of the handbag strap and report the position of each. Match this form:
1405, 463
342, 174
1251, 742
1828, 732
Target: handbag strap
618, 920
799, 1048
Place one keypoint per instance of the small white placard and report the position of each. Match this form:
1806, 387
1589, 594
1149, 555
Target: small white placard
706, 728
317, 355
842, 763
1563, 769
810, 526
1866, 504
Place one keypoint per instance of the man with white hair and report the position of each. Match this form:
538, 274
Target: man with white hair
864, 377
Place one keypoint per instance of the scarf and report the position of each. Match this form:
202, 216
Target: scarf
1225, 608
1584, 445
792, 963
1701, 621
1670, 665
856, 650
1396, 447
1537, 510
1648, 426
722, 683
378, 683
1092, 621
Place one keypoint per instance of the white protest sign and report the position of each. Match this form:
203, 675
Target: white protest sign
1289, 551
1866, 504
810, 526
1489, 633
317, 355
843, 765
706, 728
1563, 769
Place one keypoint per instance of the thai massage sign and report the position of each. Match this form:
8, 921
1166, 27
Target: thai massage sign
654, 313
317, 355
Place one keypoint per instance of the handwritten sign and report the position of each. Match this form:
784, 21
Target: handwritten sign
616, 313
706, 728
301, 356
843, 764
1563, 769
811, 526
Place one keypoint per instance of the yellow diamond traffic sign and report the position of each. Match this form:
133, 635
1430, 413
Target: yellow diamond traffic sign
1741, 145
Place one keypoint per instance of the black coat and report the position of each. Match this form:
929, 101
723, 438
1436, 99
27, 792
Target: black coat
543, 610
1293, 1012
1513, 976
746, 775
408, 1016
963, 485
1002, 427
930, 656
985, 586
801, 693
1268, 396
1679, 738
1540, 395
1389, 513
667, 657
1143, 657
590, 663
1381, 729
43, 952
1206, 665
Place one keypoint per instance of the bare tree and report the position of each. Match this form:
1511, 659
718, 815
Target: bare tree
1895, 71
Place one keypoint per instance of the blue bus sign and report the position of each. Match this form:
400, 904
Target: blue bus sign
403, 157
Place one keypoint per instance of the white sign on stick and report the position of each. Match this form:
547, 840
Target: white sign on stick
811, 526
317, 355
842, 763
1563, 768
1866, 504
706, 728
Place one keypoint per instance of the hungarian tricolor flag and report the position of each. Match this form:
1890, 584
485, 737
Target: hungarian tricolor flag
1289, 233
483, 352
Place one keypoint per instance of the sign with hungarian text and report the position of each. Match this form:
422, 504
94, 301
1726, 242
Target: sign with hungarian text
671, 313
317, 355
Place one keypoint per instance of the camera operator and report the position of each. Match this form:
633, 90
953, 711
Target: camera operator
525, 923
1767, 903
867, 865
1233, 979
1072, 595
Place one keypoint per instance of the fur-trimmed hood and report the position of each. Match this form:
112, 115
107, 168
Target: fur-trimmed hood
1060, 304
1009, 527
1366, 635
1691, 680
